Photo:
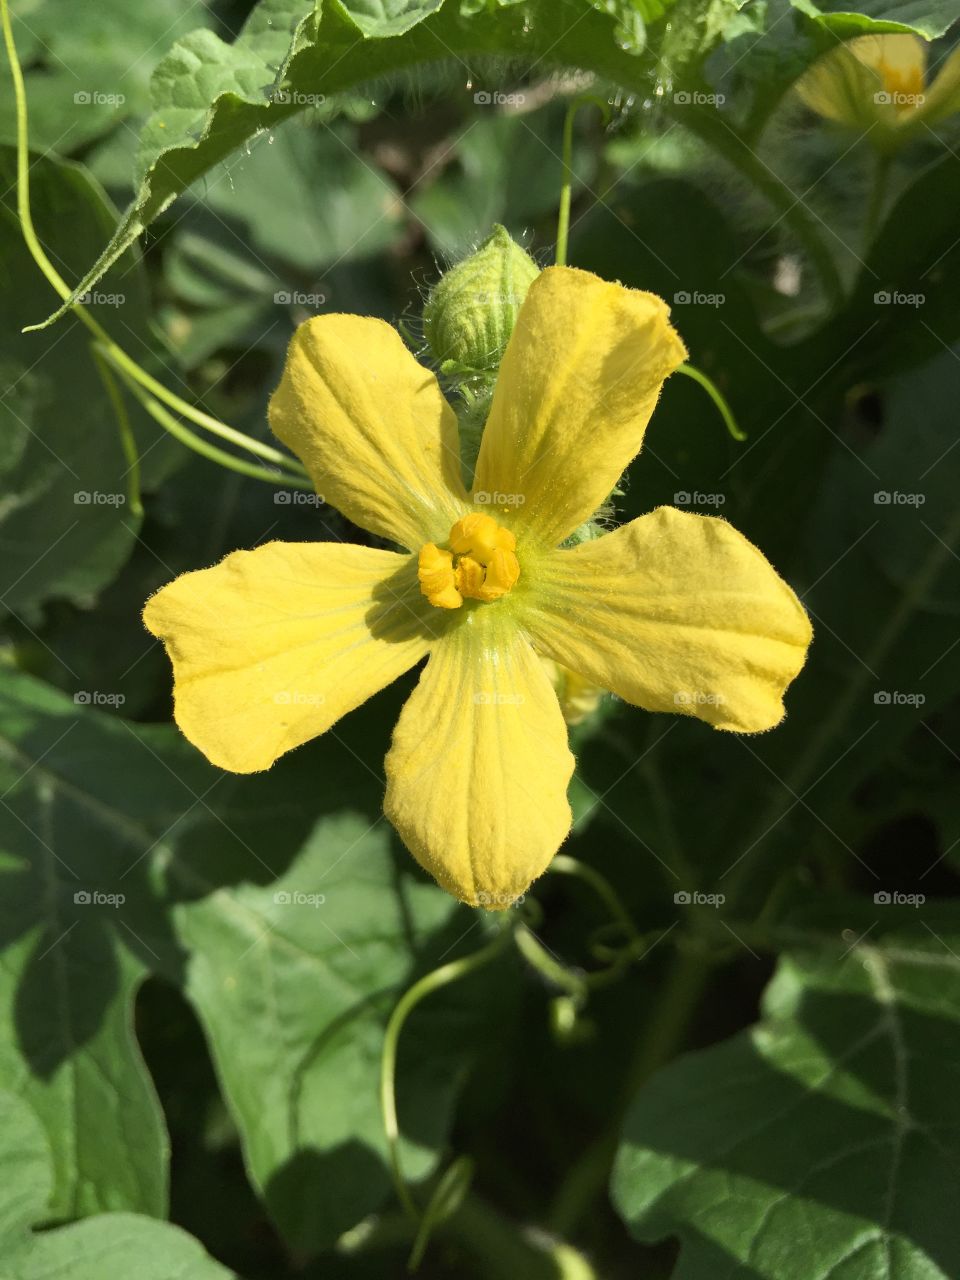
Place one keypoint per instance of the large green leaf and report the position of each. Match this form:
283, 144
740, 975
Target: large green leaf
928, 18
78, 817
293, 983
65, 524
214, 879
211, 97
111, 1246
823, 1142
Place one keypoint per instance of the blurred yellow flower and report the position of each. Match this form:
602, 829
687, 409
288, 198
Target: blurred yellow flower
880, 83
673, 611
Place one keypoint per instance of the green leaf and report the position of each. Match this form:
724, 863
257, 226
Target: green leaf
210, 97
110, 1246
294, 984
88, 66
25, 1179
927, 18
381, 18
333, 206
293, 990
822, 1142
79, 814
65, 525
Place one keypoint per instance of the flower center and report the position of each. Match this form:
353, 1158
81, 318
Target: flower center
904, 86
479, 563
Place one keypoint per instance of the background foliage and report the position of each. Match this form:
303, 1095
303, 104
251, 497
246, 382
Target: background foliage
190, 1038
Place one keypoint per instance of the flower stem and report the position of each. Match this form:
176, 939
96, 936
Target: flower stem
712, 129
566, 186
388, 1062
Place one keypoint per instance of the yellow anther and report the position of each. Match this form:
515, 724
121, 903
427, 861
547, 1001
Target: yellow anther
469, 577
438, 577
480, 565
502, 573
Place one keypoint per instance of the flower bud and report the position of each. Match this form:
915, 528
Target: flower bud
470, 314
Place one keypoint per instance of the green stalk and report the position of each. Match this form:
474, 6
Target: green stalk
712, 129
203, 447
388, 1063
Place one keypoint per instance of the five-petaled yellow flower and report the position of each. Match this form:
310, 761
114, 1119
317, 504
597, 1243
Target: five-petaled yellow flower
672, 612
881, 84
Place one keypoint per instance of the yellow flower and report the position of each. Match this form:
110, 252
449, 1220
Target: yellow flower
880, 83
673, 612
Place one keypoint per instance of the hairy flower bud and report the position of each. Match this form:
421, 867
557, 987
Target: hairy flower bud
470, 315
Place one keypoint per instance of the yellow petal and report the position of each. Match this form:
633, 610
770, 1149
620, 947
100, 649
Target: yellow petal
675, 612
943, 96
871, 83
576, 389
477, 774
372, 428
271, 647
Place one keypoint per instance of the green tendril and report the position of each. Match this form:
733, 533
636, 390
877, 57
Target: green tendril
718, 398
388, 1063
128, 368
